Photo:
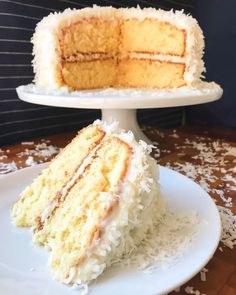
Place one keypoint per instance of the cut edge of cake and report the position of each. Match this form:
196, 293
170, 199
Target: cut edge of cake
53, 178
47, 55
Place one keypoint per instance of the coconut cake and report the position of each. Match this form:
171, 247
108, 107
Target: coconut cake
104, 207
101, 47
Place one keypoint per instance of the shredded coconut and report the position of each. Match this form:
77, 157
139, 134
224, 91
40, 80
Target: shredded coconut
169, 241
27, 143
42, 150
30, 161
203, 274
228, 219
82, 287
3, 157
190, 290
213, 161
8, 167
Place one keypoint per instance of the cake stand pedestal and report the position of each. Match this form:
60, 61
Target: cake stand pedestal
127, 119
121, 104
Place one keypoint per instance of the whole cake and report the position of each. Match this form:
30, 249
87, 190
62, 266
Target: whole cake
104, 47
94, 202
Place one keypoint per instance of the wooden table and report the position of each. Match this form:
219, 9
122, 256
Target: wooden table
207, 156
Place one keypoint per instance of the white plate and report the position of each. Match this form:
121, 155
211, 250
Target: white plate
18, 256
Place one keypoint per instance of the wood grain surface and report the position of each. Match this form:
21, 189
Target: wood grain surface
207, 155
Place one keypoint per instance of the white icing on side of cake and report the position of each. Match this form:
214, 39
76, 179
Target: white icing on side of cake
46, 53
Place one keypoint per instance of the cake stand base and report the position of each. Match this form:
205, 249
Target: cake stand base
127, 119
121, 104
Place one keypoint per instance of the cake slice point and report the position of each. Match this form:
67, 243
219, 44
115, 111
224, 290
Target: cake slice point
37, 196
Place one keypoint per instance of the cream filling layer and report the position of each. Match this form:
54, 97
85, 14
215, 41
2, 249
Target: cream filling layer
80, 57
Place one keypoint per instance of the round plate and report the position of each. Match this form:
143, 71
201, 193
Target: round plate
23, 266
121, 98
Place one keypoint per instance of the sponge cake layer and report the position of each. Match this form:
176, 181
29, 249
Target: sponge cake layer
127, 72
43, 190
89, 36
78, 223
151, 35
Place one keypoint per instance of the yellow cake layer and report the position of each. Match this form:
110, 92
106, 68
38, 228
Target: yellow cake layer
77, 222
90, 35
100, 36
150, 74
151, 36
97, 35
123, 73
89, 74
45, 187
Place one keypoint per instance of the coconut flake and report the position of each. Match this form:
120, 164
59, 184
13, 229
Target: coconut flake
203, 274
8, 167
228, 219
170, 239
40, 150
30, 161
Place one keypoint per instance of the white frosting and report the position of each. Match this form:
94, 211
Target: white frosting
139, 210
46, 45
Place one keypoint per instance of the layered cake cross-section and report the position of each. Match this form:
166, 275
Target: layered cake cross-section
96, 201
104, 47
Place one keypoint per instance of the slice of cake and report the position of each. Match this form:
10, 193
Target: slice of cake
104, 208
123, 48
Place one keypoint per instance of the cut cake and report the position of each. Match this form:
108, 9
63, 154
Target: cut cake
93, 203
104, 47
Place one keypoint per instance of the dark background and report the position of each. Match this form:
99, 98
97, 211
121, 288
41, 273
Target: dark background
22, 121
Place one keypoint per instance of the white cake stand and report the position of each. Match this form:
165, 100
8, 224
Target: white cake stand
121, 104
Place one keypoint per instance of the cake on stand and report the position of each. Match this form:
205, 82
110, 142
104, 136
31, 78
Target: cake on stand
121, 104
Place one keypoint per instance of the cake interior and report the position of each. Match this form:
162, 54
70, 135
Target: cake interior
75, 226
45, 187
97, 53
